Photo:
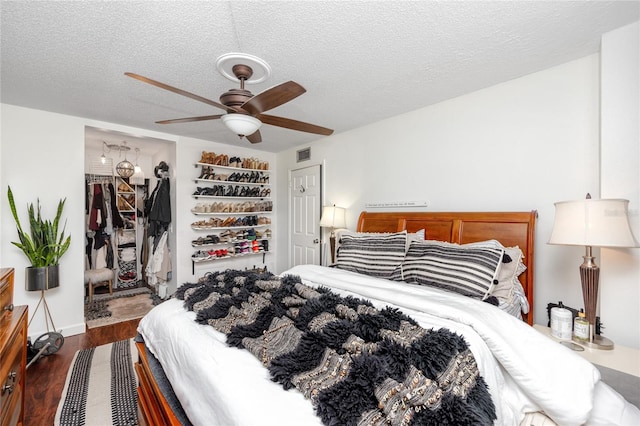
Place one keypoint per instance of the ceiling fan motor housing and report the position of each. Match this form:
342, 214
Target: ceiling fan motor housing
234, 98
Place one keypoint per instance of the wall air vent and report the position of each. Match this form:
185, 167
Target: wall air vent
304, 154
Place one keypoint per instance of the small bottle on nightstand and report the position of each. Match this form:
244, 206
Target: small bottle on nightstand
581, 327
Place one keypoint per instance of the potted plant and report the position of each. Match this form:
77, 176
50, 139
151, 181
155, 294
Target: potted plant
42, 245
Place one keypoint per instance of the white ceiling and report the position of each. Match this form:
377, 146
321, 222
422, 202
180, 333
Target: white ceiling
360, 61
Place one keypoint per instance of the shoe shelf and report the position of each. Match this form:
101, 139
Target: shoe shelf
224, 243
222, 228
240, 189
229, 256
231, 237
231, 168
200, 180
233, 208
232, 191
196, 196
252, 177
229, 213
128, 244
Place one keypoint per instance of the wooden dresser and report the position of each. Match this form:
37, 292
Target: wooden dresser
13, 353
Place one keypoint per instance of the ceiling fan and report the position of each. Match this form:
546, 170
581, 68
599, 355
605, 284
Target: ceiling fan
245, 111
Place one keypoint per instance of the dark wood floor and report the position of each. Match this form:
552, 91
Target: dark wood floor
45, 378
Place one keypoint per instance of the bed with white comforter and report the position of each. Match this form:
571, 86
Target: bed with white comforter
526, 372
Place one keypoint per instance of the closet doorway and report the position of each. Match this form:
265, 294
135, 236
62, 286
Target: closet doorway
121, 175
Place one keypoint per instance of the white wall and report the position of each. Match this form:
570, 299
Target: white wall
620, 178
43, 155
518, 146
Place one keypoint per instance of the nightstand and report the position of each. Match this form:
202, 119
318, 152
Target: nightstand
619, 367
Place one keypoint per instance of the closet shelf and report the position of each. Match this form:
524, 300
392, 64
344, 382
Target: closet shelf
231, 168
219, 228
230, 198
230, 182
228, 256
226, 243
230, 213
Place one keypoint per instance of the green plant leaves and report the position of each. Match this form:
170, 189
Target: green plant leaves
42, 246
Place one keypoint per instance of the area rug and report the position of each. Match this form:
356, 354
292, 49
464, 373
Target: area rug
100, 388
124, 305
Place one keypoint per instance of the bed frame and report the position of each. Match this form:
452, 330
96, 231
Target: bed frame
510, 228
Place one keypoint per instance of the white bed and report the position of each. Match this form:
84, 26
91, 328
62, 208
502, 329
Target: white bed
526, 371
531, 379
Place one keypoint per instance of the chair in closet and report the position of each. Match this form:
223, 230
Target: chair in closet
97, 278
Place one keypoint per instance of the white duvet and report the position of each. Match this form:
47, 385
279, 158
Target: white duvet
525, 370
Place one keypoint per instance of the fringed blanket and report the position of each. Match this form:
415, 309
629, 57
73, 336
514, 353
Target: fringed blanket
358, 365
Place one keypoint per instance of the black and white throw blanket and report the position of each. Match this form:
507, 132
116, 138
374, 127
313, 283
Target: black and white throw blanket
355, 363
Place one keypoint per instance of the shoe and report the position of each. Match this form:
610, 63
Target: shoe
199, 256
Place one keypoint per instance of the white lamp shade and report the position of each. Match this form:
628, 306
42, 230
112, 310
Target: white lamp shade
599, 223
241, 124
333, 217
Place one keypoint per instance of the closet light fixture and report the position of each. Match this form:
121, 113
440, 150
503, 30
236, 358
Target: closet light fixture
592, 223
124, 168
137, 168
138, 175
103, 158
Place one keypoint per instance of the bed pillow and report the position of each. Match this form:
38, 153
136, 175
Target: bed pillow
376, 255
411, 236
509, 290
464, 269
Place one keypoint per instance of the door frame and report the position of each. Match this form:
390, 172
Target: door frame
289, 205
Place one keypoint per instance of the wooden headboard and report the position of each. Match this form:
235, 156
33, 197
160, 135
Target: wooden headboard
510, 228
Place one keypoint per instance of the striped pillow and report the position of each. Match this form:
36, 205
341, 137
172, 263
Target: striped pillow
374, 255
465, 269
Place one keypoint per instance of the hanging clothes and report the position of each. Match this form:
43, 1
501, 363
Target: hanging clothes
158, 207
97, 214
159, 266
116, 218
102, 218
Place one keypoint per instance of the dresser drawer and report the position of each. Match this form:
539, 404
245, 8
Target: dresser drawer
13, 414
11, 372
6, 292
13, 349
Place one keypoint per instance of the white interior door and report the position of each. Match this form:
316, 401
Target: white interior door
306, 207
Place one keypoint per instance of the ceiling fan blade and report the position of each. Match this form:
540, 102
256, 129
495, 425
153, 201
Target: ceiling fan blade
288, 123
273, 97
190, 119
255, 137
178, 91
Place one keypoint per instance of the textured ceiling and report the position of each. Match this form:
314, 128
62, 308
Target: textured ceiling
360, 61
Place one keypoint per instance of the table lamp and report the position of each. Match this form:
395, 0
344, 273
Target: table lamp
333, 217
589, 223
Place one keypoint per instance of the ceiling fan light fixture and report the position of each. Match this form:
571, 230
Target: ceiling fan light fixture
241, 124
